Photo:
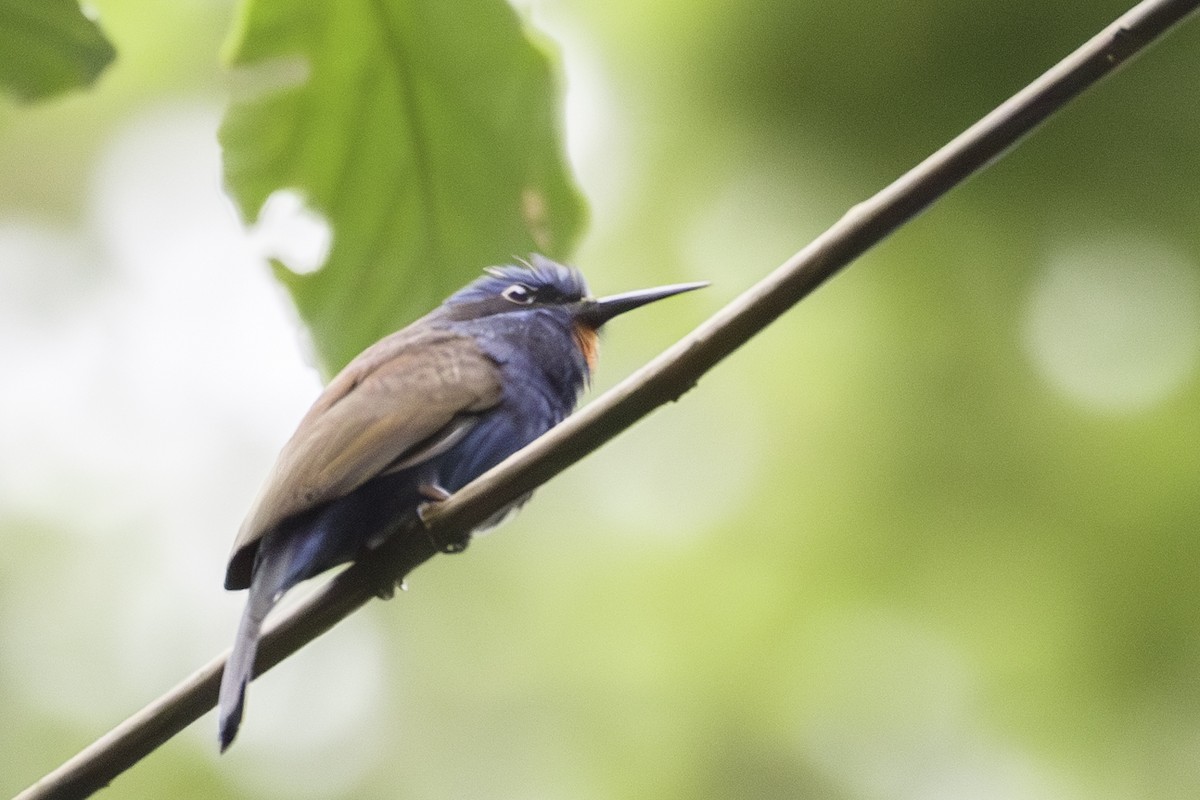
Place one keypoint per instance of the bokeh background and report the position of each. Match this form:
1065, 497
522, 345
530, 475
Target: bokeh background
935, 534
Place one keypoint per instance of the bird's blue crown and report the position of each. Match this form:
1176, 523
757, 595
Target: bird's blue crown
549, 281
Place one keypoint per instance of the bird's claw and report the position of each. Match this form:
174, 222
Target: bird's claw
433, 495
388, 591
444, 546
450, 548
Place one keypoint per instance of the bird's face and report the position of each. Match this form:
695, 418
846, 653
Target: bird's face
541, 285
518, 289
544, 284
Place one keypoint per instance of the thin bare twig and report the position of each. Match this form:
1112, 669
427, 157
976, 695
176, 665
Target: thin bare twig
662, 380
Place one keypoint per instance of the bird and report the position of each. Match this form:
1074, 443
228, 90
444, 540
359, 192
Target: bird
409, 421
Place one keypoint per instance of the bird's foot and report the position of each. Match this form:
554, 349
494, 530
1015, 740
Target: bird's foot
451, 547
388, 590
433, 495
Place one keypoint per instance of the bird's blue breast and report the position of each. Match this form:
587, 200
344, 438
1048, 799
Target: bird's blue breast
542, 372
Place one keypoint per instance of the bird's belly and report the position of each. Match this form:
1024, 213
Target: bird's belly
499, 433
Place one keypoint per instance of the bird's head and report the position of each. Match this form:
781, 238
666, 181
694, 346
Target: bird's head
540, 283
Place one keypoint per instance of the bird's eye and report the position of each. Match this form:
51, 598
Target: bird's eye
518, 293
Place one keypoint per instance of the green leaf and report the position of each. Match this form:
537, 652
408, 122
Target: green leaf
49, 46
425, 132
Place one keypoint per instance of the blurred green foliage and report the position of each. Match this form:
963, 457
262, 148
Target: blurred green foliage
932, 534
48, 47
425, 133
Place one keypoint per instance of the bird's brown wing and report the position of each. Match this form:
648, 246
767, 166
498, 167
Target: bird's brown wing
404, 398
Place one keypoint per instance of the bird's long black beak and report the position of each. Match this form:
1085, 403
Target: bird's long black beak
595, 313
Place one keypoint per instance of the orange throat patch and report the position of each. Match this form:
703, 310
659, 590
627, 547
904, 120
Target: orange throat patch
589, 344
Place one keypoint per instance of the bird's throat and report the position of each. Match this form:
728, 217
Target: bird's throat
588, 342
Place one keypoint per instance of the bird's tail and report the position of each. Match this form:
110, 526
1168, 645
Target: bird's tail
272, 577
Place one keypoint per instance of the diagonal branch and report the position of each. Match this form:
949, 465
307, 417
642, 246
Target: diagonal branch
660, 381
